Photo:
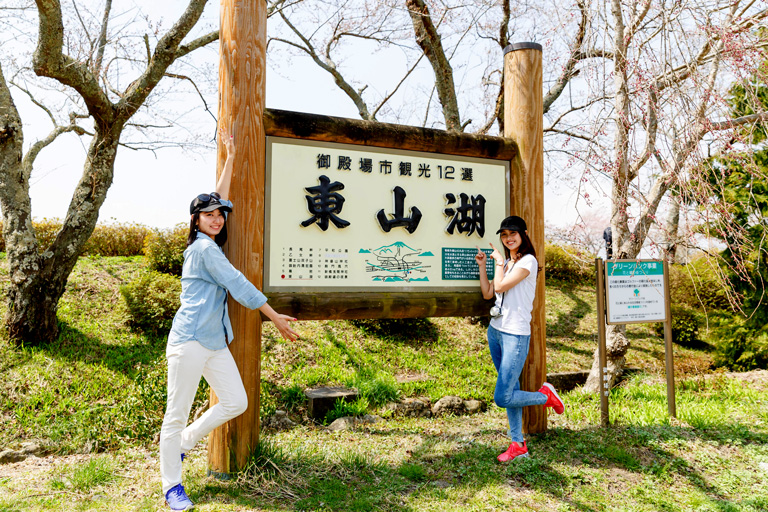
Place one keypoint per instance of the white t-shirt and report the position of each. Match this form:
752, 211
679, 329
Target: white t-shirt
518, 301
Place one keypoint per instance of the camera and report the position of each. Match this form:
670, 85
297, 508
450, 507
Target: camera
495, 312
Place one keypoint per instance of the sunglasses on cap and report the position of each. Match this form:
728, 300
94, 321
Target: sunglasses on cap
207, 203
207, 197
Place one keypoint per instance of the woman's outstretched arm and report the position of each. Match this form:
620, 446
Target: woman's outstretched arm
225, 179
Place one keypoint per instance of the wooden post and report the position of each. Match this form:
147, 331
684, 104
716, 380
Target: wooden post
668, 356
524, 123
242, 85
604, 388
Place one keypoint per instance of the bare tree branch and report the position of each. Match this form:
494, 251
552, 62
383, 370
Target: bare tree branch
49, 60
309, 49
429, 41
197, 43
576, 54
102, 42
164, 55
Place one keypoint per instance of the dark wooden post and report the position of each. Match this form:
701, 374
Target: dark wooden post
242, 83
605, 389
523, 122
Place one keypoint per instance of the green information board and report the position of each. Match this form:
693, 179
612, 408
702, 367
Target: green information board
459, 264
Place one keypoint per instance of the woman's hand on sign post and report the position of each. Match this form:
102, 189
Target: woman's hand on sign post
225, 178
282, 322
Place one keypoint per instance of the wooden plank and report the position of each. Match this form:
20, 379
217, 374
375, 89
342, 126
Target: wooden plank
327, 306
299, 125
524, 123
243, 40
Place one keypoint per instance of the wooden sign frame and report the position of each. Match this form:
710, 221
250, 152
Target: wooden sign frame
319, 305
242, 92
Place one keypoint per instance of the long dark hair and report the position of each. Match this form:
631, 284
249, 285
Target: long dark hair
220, 239
526, 247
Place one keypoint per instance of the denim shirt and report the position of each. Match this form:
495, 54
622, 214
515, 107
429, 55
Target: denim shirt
206, 277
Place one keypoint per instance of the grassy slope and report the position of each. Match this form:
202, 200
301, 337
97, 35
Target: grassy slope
101, 388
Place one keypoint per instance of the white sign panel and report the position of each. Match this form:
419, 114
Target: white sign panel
634, 291
358, 218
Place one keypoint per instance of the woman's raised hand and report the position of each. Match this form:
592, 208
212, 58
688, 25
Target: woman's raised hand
497, 255
480, 257
228, 141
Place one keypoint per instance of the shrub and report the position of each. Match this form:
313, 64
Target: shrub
46, 231
152, 300
568, 264
164, 249
740, 348
116, 239
685, 327
697, 285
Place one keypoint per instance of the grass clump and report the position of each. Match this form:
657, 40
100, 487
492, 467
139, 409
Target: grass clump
85, 477
343, 408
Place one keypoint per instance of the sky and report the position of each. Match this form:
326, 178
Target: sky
155, 188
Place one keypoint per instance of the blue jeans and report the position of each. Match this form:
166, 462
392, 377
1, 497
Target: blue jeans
509, 352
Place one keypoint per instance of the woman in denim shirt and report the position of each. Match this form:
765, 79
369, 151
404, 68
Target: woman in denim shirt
201, 331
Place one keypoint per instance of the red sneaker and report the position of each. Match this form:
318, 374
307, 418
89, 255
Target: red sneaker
515, 450
553, 399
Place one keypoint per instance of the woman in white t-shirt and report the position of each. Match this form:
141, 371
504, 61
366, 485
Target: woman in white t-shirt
509, 333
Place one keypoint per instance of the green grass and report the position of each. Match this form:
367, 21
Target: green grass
95, 399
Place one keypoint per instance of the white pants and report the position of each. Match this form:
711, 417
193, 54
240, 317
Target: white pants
187, 362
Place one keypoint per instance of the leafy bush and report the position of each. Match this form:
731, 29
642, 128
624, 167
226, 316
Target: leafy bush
164, 249
685, 327
152, 300
739, 348
696, 285
116, 239
569, 264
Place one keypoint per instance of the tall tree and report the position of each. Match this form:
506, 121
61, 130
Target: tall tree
739, 182
38, 277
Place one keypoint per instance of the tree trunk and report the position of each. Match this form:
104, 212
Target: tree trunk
672, 229
38, 280
32, 314
616, 348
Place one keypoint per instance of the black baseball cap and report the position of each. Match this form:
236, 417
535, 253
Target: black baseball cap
512, 223
207, 203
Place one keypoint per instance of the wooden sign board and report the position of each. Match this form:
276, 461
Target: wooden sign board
351, 218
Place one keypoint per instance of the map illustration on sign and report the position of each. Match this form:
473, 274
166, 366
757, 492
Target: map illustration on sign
396, 262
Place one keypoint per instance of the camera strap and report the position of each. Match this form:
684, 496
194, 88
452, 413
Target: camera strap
503, 294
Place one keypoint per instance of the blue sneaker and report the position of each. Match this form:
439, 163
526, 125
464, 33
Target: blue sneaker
177, 499
182, 456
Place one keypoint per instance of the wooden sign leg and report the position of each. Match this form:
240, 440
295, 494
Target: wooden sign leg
242, 82
668, 354
604, 384
524, 123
